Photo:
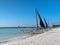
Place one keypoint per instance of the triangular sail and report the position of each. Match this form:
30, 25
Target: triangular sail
41, 22
46, 23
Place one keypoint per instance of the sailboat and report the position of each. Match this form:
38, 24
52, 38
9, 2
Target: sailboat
41, 21
42, 25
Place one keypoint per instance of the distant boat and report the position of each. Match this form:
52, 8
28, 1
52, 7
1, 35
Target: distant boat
18, 26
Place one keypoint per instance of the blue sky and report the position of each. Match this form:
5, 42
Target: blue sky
22, 12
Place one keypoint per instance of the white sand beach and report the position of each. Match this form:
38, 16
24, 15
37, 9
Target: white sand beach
51, 37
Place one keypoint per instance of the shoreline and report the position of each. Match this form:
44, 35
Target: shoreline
19, 39
15, 38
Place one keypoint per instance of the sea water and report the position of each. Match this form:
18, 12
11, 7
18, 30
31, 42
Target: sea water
6, 33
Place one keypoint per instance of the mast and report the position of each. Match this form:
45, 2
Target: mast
36, 20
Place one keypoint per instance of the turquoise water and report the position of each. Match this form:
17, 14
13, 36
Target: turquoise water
6, 33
